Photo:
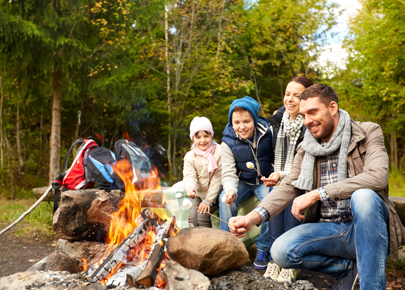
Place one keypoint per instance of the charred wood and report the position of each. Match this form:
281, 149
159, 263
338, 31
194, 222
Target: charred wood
148, 276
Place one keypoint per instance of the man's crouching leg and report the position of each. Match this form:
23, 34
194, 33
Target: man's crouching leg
371, 236
320, 247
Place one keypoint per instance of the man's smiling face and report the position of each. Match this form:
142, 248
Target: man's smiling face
319, 118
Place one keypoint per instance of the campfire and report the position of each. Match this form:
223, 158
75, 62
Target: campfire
137, 237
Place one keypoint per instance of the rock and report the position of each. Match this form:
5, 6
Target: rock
48, 280
91, 251
399, 202
57, 261
179, 278
248, 278
207, 250
84, 215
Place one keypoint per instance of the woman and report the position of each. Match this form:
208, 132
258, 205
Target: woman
288, 132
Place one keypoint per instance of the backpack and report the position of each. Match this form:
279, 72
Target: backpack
141, 166
74, 178
98, 169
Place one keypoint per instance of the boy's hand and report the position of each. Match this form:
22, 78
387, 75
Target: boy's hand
203, 208
272, 180
230, 197
191, 193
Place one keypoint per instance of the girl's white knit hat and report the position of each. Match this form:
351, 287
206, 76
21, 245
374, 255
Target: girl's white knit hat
198, 124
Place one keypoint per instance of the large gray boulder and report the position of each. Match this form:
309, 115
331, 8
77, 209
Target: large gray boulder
91, 251
84, 215
57, 261
207, 250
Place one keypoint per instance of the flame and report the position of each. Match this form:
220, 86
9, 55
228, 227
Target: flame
103, 281
124, 221
126, 135
84, 265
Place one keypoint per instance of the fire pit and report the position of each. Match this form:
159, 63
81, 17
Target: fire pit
136, 254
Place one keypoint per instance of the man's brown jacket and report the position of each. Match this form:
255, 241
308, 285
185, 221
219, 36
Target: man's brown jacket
368, 164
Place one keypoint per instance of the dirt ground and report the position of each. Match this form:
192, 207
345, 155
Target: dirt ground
18, 254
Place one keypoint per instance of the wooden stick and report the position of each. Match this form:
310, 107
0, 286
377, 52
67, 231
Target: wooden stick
211, 215
258, 172
28, 211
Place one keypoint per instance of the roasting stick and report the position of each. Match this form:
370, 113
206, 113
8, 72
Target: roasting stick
250, 165
28, 211
187, 204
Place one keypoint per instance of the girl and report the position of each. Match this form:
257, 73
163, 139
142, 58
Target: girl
202, 172
288, 132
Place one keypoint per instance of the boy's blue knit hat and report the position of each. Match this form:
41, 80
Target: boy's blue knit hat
246, 103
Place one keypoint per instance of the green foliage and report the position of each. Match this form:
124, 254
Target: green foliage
373, 84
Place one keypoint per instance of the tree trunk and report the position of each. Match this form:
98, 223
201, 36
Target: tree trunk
169, 136
17, 176
1, 123
54, 164
18, 139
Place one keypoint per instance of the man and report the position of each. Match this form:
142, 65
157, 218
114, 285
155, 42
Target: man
342, 166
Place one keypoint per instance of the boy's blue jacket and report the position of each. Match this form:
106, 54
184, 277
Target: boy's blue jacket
259, 152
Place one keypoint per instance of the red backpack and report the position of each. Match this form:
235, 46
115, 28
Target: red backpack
75, 177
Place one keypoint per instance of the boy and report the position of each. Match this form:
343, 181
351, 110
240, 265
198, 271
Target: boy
247, 138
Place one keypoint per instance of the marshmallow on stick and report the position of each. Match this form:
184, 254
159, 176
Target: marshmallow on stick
187, 204
179, 195
250, 165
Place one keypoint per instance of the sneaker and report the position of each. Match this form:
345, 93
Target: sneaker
288, 275
261, 261
272, 271
346, 283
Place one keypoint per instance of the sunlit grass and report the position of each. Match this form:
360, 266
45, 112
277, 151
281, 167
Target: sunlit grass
38, 224
397, 183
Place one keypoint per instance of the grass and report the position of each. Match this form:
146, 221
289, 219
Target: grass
397, 183
38, 224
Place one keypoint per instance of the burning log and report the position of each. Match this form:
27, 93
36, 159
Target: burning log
118, 255
120, 278
148, 276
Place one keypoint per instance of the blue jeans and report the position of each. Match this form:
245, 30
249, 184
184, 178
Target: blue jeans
281, 223
244, 192
330, 248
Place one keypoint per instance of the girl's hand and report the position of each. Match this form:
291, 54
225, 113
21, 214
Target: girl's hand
272, 180
203, 208
191, 193
230, 197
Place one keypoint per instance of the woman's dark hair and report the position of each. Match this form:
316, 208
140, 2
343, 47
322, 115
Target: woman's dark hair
306, 82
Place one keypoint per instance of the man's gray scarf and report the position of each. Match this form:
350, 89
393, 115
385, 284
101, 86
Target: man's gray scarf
284, 153
340, 138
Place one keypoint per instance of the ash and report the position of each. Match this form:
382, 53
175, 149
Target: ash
247, 278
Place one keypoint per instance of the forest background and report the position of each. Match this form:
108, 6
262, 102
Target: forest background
143, 69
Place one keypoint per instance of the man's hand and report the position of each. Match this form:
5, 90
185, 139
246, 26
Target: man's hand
301, 202
203, 208
272, 180
240, 225
230, 197
191, 193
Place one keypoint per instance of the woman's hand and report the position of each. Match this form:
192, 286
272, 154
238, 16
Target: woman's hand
191, 193
272, 180
203, 208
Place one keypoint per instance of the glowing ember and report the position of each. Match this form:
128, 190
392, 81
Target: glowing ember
84, 265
